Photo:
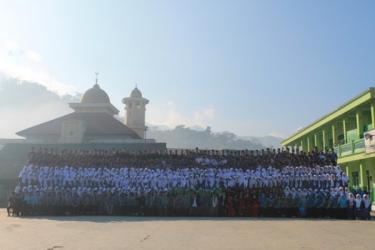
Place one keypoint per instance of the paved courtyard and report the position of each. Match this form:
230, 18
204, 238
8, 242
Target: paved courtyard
99, 232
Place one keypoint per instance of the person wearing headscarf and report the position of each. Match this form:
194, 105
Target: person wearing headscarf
351, 207
342, 206
366, 207
358, 206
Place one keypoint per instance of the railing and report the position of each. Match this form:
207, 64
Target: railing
359, 146
354, 147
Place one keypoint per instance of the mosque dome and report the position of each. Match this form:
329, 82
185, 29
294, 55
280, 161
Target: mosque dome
136, 93
95, 95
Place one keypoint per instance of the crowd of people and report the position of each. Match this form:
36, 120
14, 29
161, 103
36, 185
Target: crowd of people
186, 182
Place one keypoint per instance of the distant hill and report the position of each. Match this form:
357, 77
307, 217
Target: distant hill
267, 141
185, 137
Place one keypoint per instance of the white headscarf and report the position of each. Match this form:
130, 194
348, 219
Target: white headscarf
358, 201
367, 201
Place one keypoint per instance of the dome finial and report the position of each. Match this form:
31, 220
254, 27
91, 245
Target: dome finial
95, 94
136, 93
96, 78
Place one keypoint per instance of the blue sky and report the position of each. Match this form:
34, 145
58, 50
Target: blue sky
251, 67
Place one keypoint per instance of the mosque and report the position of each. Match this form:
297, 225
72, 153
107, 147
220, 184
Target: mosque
94, 121
92, 125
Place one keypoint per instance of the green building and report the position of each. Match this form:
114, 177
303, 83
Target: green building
348, 130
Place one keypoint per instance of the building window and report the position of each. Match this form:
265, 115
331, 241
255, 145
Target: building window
340, 139
355, 179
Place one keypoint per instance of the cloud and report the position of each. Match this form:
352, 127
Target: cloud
202, 116
277, 134
27, 64
15, 119
171, 117
299, 128
11, 46
33, 56
24, 104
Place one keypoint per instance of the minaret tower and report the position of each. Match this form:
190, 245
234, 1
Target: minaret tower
135, 107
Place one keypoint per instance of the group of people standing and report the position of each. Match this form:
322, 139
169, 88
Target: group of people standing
186, 182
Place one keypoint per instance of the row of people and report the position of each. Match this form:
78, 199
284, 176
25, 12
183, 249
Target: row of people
180, 158
186, 182
269, 202
147, 180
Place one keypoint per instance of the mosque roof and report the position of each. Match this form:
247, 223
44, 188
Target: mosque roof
96, 124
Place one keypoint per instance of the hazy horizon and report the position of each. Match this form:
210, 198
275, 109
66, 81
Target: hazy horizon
39, 105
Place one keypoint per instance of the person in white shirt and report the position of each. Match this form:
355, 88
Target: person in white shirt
366, 207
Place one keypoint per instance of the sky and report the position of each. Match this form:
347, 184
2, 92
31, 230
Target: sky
251, 67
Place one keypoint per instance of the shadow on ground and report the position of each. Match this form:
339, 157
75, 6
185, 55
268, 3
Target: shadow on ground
111, 219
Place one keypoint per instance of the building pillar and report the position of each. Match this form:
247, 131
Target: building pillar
344, 129
308, 144
347, 171
302, 145
358, 117
324, 139
315, 140
361, 175
373, 115
334, 136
